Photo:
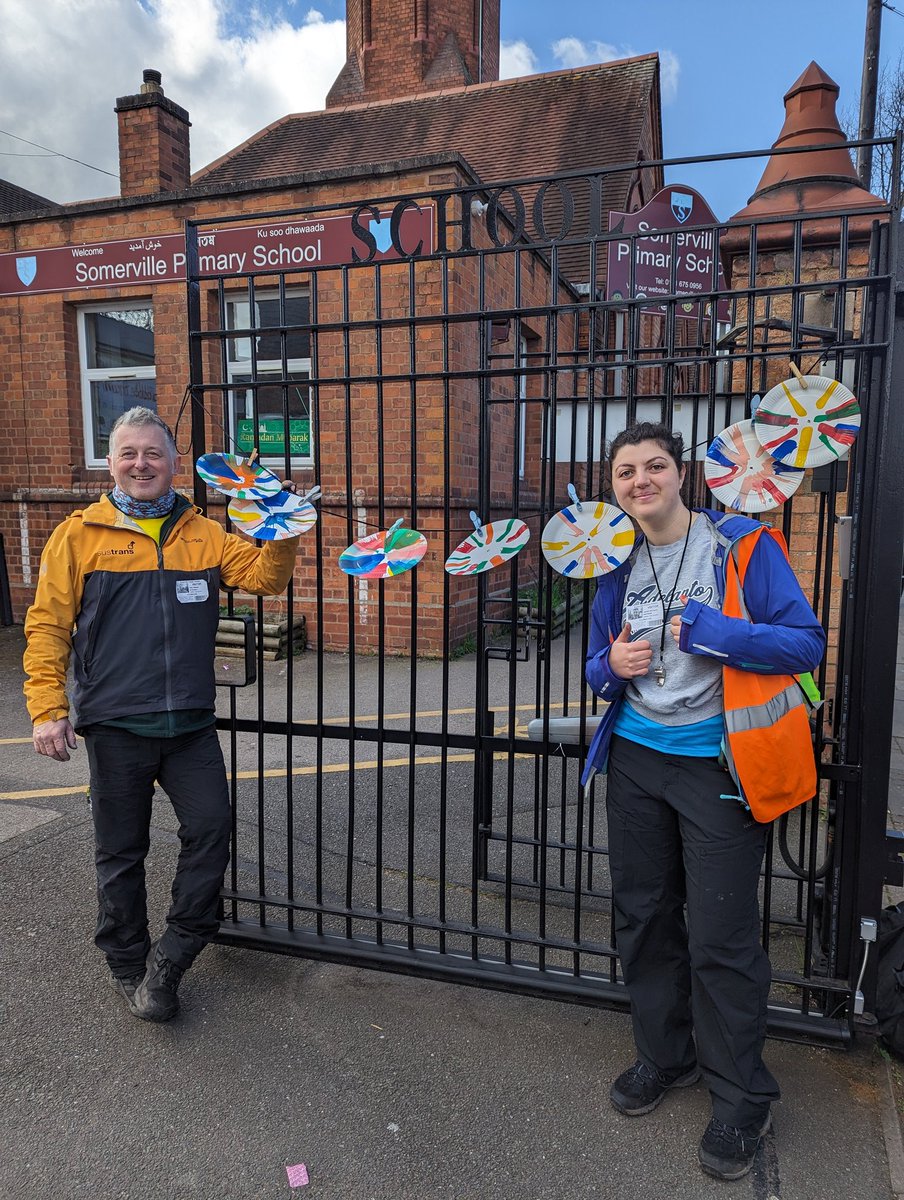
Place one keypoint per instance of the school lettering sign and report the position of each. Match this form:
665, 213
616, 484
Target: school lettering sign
669, 259
366, 235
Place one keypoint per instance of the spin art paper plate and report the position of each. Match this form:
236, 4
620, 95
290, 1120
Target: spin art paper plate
586, 542
808, 426
487, 547
389, 552
273, 518
745, 477
235, 476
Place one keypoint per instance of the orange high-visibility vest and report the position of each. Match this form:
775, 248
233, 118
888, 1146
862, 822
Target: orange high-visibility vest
768, 742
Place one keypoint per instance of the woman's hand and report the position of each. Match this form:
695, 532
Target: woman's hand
629, 659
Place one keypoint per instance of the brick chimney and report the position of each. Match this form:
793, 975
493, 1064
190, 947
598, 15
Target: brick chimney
405, 47
153, 141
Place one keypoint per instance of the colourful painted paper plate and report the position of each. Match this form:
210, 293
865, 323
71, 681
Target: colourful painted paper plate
235, 476
586, 542
489, 546
273, 518
745, 477
389, 552
808, 426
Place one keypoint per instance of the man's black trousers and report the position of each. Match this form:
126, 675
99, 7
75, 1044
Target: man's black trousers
698, 986
190, 770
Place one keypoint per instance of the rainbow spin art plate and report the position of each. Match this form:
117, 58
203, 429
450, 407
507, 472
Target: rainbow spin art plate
487, 547
808, 426
273, 518
235, 476
745, 477
587, 541
380, 555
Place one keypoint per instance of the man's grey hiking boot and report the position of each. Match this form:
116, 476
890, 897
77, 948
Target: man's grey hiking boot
125, 985
155, 997
639, 1089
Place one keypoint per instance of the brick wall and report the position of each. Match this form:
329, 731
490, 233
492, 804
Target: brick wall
42, 430
402, 47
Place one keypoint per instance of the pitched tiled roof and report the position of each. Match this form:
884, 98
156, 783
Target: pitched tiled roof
536, 125
15, 199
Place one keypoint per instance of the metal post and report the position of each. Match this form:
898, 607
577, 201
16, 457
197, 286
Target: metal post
195, 359
869, 86
877, 557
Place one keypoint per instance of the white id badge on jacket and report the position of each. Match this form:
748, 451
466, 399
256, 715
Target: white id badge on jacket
191, 591
647, 615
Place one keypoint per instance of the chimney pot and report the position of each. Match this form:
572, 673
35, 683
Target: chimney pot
151, 81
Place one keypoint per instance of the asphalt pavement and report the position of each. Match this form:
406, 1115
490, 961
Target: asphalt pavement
385, 1087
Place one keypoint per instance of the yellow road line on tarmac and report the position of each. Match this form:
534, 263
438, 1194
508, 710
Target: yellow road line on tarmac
279, 773
452, 712
337, 768
64, 791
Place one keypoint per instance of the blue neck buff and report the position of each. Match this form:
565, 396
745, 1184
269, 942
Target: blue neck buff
143, 509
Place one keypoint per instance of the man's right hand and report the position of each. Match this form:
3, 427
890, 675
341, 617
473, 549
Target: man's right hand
54, 739
629, 659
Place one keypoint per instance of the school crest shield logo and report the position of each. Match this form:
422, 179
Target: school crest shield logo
27, 269
381, 232
682, 205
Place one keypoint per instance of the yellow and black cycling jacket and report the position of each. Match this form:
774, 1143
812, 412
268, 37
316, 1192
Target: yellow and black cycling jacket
138, 619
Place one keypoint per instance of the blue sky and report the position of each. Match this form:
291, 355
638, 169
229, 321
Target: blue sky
237, 66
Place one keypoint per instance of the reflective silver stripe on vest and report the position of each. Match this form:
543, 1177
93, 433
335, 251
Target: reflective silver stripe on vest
761, 716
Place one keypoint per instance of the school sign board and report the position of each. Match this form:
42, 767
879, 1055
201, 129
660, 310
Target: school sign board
363, 236
675, 255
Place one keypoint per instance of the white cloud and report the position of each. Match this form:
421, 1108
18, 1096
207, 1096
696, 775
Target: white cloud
235, 69
669, 69
516, 59
572, 52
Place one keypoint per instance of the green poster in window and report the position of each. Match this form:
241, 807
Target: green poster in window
271, 440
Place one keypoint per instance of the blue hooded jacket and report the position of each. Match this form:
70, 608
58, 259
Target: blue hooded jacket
782, 636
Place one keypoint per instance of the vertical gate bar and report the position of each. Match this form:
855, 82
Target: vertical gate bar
448, 543
590, 388
351, 595
381, 595
318, 602
413, 592
484, 717
259, 745
290, 616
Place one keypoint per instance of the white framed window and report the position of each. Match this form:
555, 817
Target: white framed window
279, 359
118, 372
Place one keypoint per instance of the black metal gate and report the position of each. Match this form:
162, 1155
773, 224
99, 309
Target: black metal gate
404, 794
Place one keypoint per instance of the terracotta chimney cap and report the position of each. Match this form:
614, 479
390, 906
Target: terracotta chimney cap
790, 181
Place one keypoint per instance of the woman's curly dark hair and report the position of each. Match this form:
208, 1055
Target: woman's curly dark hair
646, 431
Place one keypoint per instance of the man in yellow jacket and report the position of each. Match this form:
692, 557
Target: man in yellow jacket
129, 589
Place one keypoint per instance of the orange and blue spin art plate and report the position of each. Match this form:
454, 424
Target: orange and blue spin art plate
587, 541
235, 476
487, 547
745, 477
273, 518
808, 426
380, 555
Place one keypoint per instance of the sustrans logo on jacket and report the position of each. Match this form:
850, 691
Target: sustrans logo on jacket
129, 549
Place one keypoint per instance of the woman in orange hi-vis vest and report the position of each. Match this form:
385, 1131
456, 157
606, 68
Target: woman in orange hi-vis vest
694, 644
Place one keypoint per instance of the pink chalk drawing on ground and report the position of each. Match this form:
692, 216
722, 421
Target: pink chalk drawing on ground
298, 1175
